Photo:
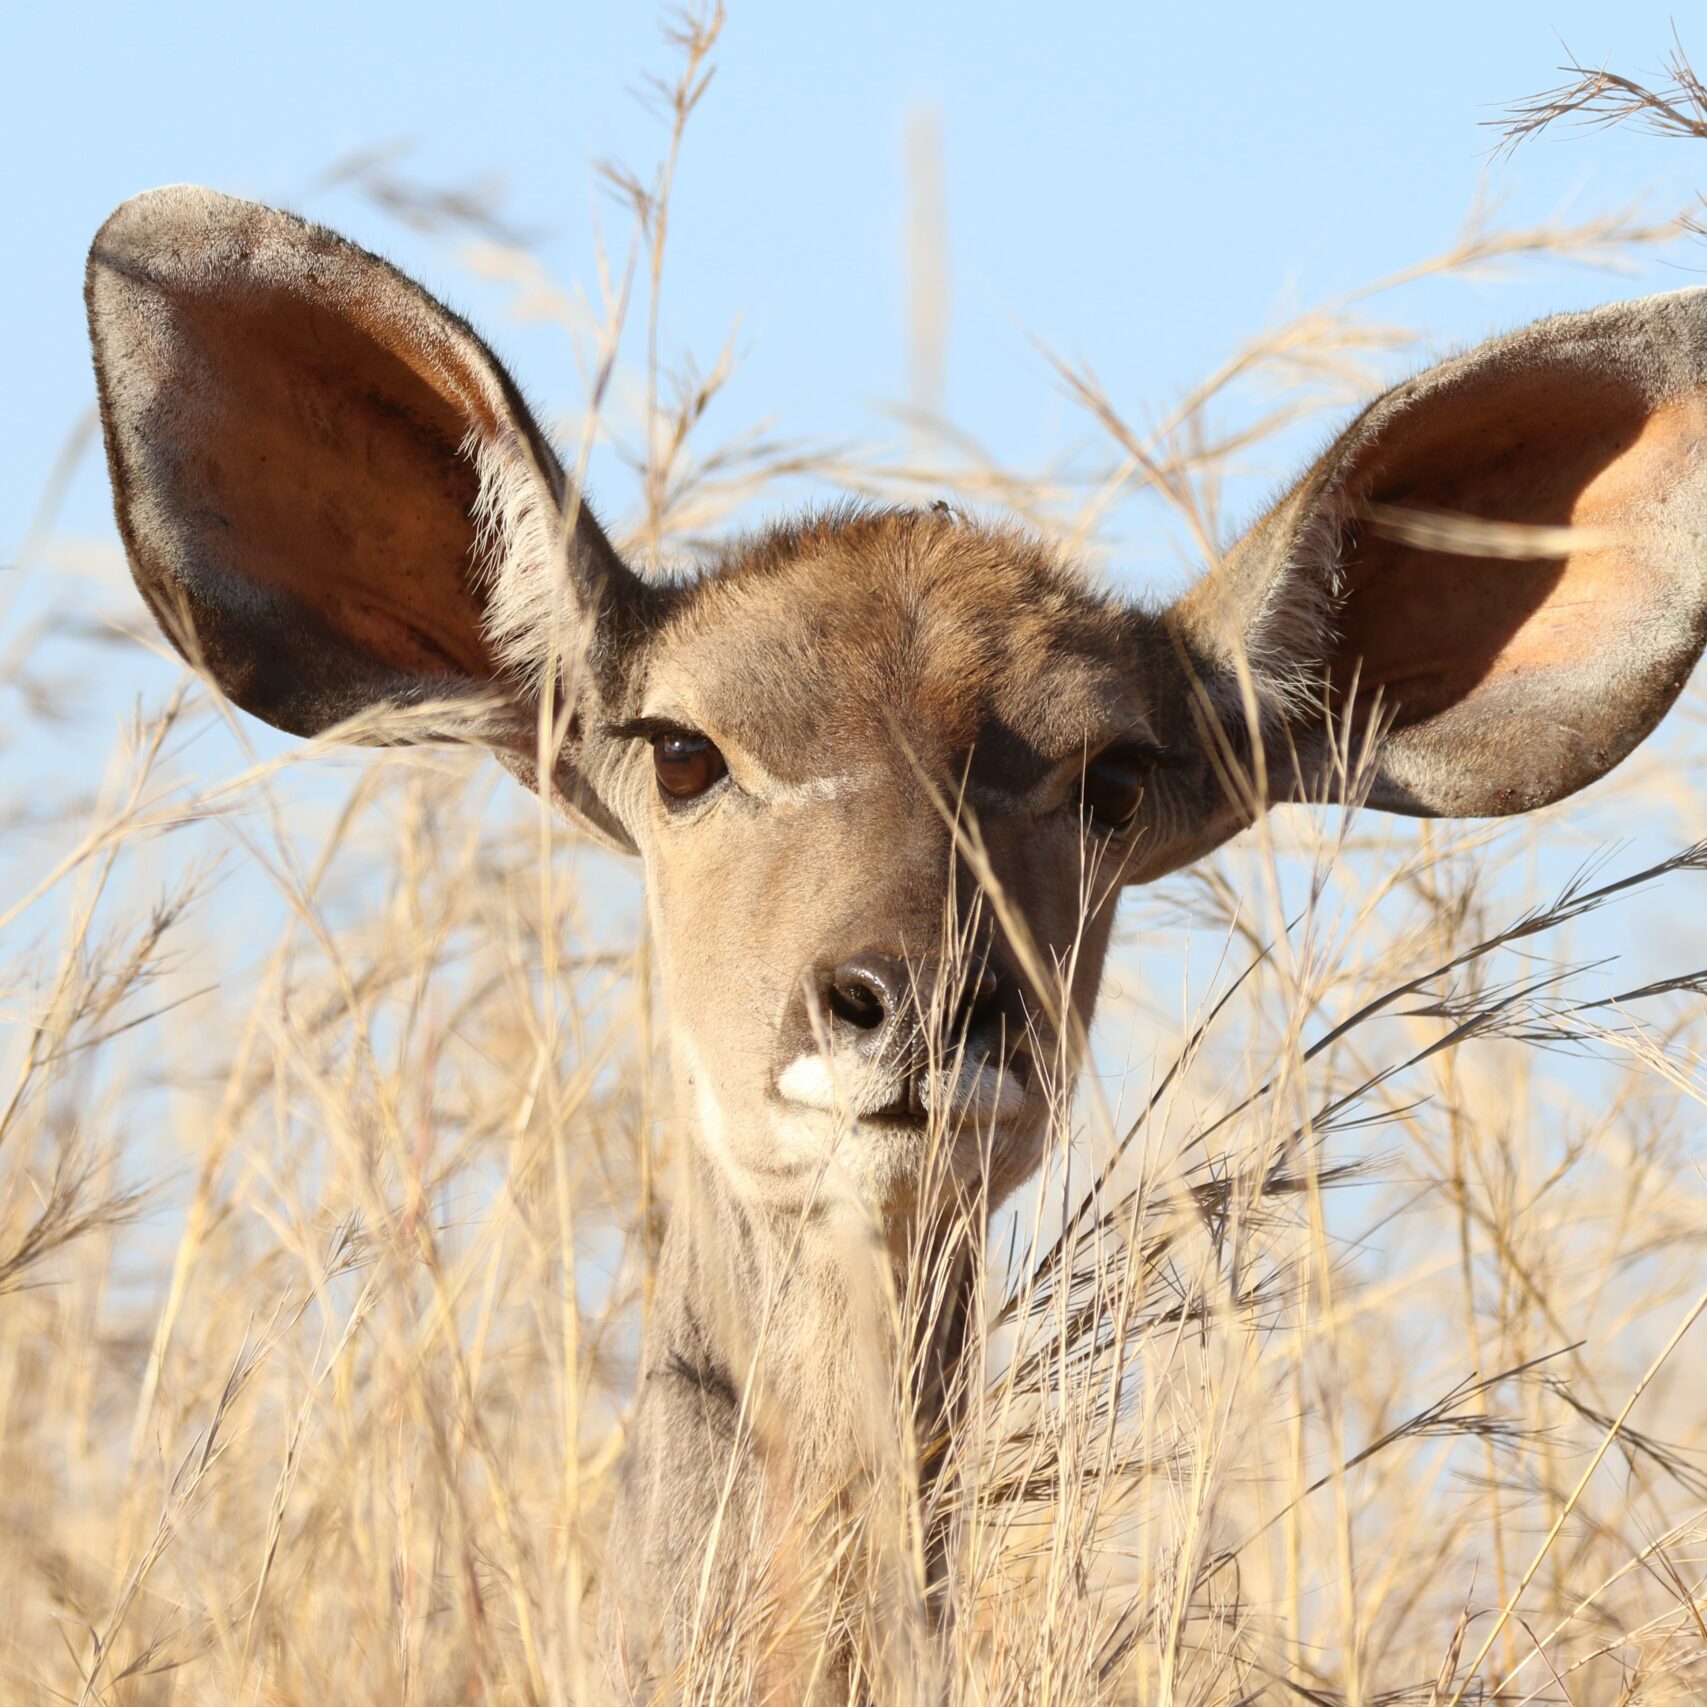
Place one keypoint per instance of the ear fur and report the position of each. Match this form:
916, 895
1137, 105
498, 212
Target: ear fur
331, 494
1504, 559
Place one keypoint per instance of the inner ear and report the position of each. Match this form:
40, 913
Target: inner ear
1504, 553
1553, 447
341, 470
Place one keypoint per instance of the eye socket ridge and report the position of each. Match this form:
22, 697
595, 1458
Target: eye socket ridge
1110, 787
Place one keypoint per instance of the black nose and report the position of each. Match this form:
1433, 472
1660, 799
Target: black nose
877, 1001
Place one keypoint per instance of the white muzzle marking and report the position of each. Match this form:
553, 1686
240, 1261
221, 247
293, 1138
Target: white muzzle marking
977, 1090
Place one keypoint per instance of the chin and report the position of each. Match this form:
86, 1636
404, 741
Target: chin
905, 1172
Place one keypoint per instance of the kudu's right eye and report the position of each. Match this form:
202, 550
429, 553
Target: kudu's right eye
1111, 788
686, 764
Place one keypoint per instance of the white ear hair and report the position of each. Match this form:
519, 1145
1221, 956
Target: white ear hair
521, 551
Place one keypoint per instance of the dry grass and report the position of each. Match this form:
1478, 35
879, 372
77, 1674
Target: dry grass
1337, 1357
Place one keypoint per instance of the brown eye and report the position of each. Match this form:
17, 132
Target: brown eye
687, 764
1113, 786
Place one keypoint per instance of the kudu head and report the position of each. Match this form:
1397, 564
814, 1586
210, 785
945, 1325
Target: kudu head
888, 771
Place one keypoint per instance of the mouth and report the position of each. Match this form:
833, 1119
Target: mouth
890, 1097
906, 1112
897, 1117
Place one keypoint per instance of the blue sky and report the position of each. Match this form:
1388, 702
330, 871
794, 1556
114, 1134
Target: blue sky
1141, 186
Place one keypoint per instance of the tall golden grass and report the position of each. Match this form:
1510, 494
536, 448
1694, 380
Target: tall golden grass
1344, 1353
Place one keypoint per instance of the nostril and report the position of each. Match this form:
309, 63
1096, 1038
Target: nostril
982, 991
856, 1003
980, 1004
866, 992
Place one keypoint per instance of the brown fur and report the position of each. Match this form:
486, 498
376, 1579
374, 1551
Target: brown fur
335, 500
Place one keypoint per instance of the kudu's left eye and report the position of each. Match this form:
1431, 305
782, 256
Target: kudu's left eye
1113, 786
686, 764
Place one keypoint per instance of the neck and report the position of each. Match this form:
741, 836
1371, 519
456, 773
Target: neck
799, 1315
789, 1366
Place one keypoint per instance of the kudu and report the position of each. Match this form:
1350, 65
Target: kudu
334, 500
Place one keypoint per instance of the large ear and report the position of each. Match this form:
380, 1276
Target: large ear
1511, 665
331, 494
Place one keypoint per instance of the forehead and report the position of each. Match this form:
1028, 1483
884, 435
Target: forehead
810, 643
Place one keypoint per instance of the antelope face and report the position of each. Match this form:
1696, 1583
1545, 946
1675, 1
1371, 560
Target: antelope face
887, 773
